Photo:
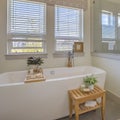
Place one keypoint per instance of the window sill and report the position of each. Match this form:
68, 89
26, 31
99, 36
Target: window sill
65, 54
25, 56
107, 55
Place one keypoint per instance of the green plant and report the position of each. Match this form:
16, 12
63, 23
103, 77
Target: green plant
34, 61
90, 80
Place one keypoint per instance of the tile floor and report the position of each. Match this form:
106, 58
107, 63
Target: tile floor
112, 112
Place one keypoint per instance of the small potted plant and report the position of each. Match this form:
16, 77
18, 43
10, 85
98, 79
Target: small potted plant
90, 81
35, 62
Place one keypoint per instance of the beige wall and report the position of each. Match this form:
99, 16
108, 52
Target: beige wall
112, 67
13, 64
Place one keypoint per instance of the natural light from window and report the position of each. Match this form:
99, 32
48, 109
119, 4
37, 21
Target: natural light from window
108, 26
68, 27
26, 27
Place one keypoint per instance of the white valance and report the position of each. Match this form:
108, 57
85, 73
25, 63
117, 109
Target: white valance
82, 4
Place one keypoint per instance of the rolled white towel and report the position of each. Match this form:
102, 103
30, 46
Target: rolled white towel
91, 103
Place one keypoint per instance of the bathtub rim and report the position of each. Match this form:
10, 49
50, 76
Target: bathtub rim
101, 71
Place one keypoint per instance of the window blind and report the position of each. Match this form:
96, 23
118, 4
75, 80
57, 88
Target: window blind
26, 26
68, 27
108, 26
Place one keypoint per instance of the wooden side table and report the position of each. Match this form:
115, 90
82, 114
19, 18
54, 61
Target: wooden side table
77, 98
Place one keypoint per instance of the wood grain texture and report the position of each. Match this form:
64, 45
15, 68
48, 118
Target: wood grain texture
77, 98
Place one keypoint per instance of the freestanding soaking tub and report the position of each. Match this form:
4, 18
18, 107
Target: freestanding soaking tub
46, 100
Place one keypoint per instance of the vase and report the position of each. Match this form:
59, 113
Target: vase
91, 87
33, 69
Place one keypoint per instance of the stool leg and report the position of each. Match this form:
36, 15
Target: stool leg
76, 111
103, 107
76, 117
70, 107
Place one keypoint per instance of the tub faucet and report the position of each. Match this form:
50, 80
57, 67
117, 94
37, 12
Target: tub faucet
71, 58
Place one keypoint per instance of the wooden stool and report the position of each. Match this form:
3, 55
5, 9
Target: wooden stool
77, 98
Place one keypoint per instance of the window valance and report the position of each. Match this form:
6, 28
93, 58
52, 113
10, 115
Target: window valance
82, 4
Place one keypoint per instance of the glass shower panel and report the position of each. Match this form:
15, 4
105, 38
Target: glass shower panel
106, 26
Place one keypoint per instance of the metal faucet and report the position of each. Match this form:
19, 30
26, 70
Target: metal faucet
71, 58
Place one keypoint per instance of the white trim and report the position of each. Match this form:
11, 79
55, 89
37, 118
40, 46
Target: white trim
24, 56
67, 38
65, 54
113, 96
23, 40
27, 35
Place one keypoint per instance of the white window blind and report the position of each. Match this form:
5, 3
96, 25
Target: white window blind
26, 27
68, 27
108, 26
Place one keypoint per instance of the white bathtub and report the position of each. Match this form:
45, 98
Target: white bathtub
46, 100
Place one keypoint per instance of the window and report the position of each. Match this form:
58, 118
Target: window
107, 18
26, 27
106, 29
68, 27
108, 26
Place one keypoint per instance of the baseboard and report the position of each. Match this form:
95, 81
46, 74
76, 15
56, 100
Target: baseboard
113, 97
